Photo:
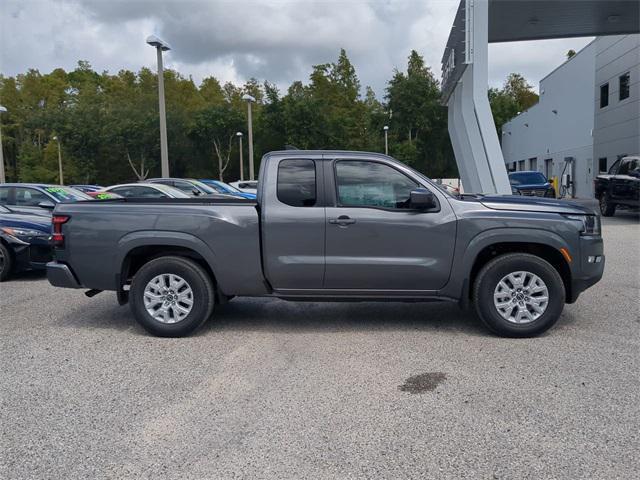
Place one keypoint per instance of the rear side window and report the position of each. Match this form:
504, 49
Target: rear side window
297, 182
30, 197
4, 195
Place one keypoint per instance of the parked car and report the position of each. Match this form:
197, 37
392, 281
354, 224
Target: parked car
531, 183
25, 241
35, 197
620, 186
191, 187
146, 190
333, 225
227, 189
102, 195
87, 188
247, 186
449, 188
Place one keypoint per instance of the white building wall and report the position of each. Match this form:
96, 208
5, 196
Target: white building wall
617, 125
560, 125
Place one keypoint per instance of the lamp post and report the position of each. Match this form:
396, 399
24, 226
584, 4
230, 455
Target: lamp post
2, 175
239, 135
160, 47
59, 161
249, 99
386, 139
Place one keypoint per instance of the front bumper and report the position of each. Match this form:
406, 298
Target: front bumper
590, 266
60, 275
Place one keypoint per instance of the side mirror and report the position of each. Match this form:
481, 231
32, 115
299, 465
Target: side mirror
195, 192
422, 199
46, 204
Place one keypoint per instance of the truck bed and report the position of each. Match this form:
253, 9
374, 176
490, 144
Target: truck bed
101, 235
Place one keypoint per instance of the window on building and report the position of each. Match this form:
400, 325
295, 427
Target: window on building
514, 166
297, 182
521, 165
604, 95
624, 86
533, 164
372, 184
602, 164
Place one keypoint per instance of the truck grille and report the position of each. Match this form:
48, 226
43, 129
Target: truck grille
534, 192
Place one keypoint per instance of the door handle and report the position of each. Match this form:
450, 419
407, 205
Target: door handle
342, 220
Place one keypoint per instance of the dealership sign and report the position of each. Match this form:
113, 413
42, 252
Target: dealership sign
457, 54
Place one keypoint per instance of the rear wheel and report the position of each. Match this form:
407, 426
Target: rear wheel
171, 296
6, 262
607, 208
518, 295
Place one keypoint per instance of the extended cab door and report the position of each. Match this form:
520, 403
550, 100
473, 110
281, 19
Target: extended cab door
375, 241
293, 223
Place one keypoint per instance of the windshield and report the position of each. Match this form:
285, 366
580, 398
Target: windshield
526, 178
66, 194
203, 187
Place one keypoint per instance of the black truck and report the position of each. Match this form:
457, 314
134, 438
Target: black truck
620, 186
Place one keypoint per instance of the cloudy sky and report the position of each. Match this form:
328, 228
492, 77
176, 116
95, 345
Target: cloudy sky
276, 40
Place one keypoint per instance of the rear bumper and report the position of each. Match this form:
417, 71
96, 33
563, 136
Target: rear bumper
60, 275
591, 266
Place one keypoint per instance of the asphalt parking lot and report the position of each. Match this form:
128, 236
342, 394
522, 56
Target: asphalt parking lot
271, 389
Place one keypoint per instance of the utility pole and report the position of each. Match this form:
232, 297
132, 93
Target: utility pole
239, 135
3, 178
160, 47
249, 99
61, 180
386, 140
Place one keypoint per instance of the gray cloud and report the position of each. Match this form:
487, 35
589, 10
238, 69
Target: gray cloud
234, 40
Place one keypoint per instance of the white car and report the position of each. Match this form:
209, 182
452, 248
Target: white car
248, 186
146, 190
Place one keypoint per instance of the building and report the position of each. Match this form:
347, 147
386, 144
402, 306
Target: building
587, 117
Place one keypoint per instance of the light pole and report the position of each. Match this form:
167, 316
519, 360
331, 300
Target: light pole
239, 135
59, 161
386, 139
249, 99
2, 175
160, 47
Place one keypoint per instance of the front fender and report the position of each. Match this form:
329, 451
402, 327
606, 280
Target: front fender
464, 259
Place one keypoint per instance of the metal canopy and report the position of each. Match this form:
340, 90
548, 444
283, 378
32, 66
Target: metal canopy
465, 74
518, 20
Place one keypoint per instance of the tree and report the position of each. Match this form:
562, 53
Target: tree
515, 96
570, 54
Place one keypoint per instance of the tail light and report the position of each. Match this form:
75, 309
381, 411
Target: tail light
58, 237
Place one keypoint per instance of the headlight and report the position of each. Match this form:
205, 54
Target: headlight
22, 232
590, 224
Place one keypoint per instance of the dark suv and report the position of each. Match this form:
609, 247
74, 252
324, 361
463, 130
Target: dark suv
531, 183
620, 186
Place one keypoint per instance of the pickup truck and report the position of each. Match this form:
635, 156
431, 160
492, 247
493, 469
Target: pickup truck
332, 226
620, 186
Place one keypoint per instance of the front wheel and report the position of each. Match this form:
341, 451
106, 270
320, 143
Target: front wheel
171, 296
6, 262
607, 208
518, 295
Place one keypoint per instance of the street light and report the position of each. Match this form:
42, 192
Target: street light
386, 139
160, 47
239, 135
2, 176
59, 161
249, 99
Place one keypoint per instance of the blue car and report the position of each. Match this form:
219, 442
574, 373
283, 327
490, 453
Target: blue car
531, 183
25, 241
222, 187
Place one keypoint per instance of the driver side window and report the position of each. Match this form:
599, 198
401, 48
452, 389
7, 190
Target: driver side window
30, 197
372, 184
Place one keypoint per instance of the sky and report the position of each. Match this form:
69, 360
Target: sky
273, 40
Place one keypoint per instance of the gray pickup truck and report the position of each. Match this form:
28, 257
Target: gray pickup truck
332, 225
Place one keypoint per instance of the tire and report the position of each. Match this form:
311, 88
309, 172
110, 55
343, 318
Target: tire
488, 283
6, 262
607, 208
155, 280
